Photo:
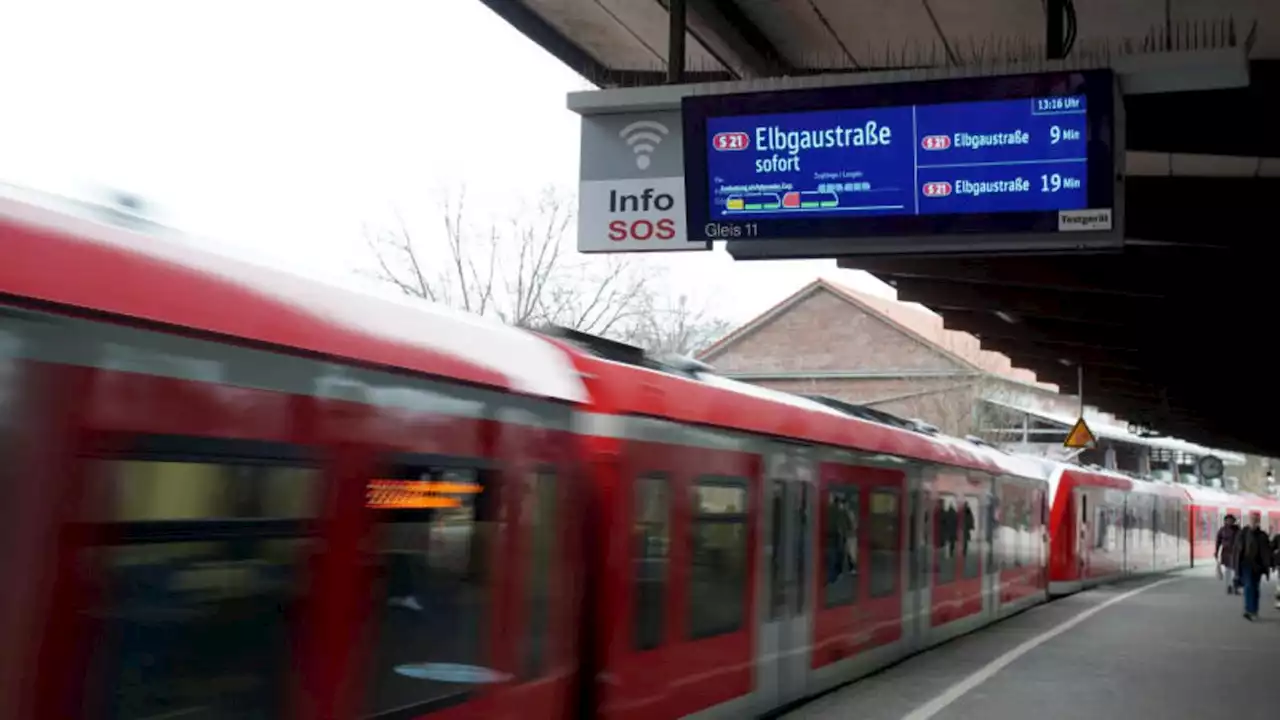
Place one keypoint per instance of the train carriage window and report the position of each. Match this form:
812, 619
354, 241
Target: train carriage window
991, 525
840, 546
884, 537
1042, 528
1003, 519
437, 522
946, 533
802, 549
971, 537
1012, 529
777, 538
1026, 528
652, 544
915, 548
718, 577
203, 560
539, 511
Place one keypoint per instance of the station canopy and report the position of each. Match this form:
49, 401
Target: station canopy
1178, 331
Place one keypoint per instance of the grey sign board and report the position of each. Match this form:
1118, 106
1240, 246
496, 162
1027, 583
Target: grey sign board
631, 193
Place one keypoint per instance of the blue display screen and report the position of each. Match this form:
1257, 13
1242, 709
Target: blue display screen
943, 162
1026, 154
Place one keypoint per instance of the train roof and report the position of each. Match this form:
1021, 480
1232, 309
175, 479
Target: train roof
55, 252
623, 380
1201, 495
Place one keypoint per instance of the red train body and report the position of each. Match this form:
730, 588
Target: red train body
230, 492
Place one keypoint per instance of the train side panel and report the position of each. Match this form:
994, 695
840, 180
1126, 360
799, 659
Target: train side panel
681, 530
257, 523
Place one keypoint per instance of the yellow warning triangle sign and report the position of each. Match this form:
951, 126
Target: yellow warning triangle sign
1080, 436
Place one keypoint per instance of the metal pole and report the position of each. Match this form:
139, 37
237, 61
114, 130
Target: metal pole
1080, 386
675, 41
1055, 29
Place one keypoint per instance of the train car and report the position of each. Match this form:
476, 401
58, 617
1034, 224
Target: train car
1209, 508
1270, 509
756, 548
1022, 548
231, 492
1158, 522
1105, 526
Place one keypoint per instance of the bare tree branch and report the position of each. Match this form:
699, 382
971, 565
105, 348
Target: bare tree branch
523, 270
678, 328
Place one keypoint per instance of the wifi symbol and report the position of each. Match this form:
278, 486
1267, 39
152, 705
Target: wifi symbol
643, 136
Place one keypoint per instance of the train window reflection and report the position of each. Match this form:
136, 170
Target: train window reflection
1013, 512
915, 550
202, 564
652, 525
971, 538
719, 499
946, 532
540, 521
1021, 524
884, 543
777, 561
840, 546
991, 526
432, 604
718, 577
802, 549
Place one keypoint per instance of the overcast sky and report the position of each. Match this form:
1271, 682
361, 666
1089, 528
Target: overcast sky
277, 128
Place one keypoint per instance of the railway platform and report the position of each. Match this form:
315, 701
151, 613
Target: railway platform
1169, 647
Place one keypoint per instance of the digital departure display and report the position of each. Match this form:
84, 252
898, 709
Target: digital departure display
1007, 155
1028, 163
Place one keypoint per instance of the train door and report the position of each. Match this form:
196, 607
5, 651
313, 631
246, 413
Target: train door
1126, 541
1159, 543
787, 605
915, 601
1042, 538
1084, 538
988, 527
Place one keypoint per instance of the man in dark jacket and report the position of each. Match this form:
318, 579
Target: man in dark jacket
1275, 564
1253, 561
1222, 551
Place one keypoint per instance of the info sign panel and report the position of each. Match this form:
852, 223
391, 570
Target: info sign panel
631, 193
1023, 162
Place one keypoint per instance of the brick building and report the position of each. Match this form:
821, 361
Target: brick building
831, 340
827, 339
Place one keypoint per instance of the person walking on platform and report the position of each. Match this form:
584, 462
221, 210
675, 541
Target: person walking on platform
1253, 561
1223, 552
1275, 564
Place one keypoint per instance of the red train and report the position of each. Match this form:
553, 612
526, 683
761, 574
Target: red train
233, 493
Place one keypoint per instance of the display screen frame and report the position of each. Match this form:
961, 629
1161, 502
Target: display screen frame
1102, 136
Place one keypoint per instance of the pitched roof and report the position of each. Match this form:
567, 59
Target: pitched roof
908, 318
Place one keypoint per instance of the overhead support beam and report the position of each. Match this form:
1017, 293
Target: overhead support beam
1241, 205
726, 32
676, 11
523, 18
729, 35
1055, 27
1238, 122
1103, 383
1108, 274
1033, 355
1046, 332
1013, 303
